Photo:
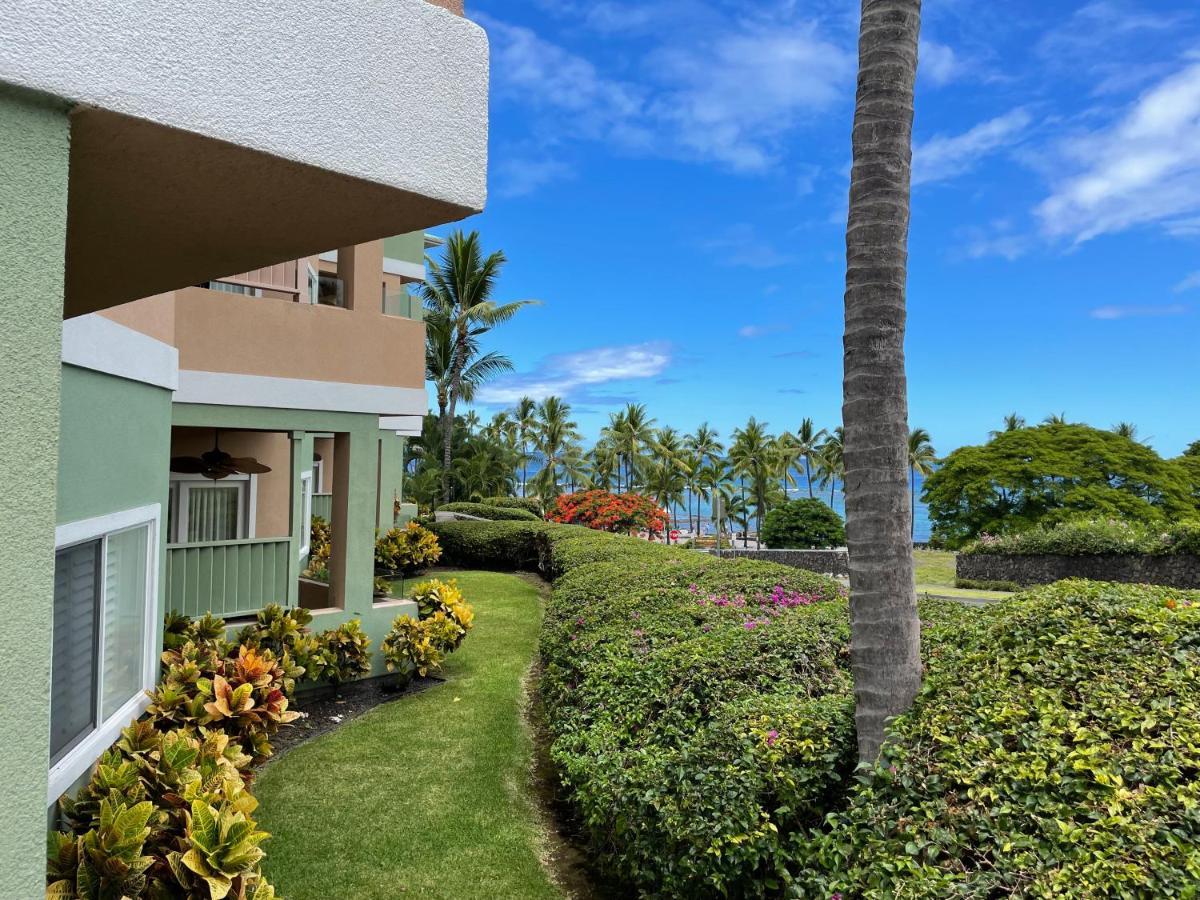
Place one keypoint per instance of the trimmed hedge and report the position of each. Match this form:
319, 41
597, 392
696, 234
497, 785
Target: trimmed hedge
1094, 537
1053, 751
489, 511
529, 504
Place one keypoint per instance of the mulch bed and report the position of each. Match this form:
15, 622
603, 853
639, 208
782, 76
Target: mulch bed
325, 710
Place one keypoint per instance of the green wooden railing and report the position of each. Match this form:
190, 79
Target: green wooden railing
228, 578
323, 506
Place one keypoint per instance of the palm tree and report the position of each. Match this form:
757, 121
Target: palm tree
1055, 419
554, 434
439, 357
633, 431
1126, 430
885, 630
831, 464
807, 439
705, 443
669, 471
458, 293
921, 460
752, 455
525, 414
1012, 422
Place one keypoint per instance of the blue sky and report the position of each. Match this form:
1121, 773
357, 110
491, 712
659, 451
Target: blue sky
670, 180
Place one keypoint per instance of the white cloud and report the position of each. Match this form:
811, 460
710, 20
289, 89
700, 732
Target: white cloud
1145, 169
757, 331
945, 156
938, 63
517, 176
1191, 283
730, 96
1132, 312
576, 375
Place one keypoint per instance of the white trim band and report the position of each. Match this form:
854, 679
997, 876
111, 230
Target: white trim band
102, 345
232, 389
405, 426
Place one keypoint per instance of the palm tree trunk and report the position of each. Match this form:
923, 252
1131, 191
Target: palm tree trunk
912, 505
885, 631
808, 475
524, 468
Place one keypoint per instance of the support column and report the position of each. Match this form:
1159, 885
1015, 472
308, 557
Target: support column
352, 563
301, 463
34, 142
361, 269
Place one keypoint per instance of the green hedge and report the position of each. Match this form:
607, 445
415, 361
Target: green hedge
488, 511
1054, 749
803, 524
529, 504
1097, 536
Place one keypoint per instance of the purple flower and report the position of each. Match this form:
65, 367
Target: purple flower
749, 624
637, 632
772, 737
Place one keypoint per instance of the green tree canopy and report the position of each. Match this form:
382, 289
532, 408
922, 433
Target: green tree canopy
1049, 474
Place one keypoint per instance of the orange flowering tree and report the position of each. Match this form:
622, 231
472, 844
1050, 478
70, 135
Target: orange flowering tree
605, 511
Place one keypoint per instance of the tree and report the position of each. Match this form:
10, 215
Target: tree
632, 431
457, 295
831, 464
1012, 422
803, 524
439, 357
525, 414
808, 440
885, 646
921, 460
752, 455
555, 432
706, 446
1055, 419
1050, 474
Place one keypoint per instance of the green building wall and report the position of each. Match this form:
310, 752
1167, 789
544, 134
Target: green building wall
34, 143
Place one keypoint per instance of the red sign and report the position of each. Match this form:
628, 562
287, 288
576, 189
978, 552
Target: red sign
674, 535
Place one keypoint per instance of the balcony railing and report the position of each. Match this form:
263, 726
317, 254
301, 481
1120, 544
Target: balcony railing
228, 578
323, 506
403, 304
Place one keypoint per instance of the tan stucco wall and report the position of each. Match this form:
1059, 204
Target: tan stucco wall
273, 510
220, 332
154, 316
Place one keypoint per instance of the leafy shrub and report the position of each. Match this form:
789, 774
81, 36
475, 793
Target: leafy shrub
407, 550
803, 524
529, 504
487, 511
444, 597
1053, 751
346, 651
320, 544
605, 511
1082, 537
285, 633
418, 646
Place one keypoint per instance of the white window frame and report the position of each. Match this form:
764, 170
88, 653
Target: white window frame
318, 469
306, 508
247, 504
80, 758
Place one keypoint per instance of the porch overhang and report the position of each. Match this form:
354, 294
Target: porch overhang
210, 138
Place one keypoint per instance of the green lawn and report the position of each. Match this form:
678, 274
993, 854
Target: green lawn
429, 796
935, 575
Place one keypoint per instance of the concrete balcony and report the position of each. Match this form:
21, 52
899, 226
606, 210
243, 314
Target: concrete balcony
210, 138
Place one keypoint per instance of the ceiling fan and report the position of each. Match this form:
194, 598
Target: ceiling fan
217, 464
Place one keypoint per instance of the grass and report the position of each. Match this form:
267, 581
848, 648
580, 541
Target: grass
935, 575
429, 796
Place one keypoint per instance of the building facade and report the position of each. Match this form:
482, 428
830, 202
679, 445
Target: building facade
145, 153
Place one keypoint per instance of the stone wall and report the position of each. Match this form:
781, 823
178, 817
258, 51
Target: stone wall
826, 562
1174, 571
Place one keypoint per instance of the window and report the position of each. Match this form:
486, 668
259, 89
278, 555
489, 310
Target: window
204, 510
306, 508
104, 639
318, 470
